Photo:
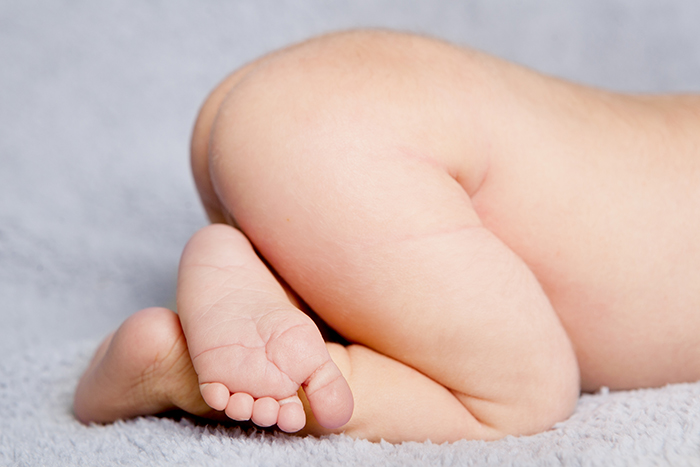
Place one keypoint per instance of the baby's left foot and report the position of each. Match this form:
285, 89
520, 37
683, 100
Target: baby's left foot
141, 369
251, 348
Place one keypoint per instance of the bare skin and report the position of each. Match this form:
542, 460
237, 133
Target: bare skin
491, 240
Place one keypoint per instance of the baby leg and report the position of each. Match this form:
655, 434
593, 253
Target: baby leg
341, 181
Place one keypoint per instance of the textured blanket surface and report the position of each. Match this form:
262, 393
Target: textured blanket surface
97, 100
644, 427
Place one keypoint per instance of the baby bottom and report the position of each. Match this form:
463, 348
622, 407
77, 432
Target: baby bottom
356, 205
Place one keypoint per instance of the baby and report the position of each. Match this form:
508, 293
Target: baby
487, 241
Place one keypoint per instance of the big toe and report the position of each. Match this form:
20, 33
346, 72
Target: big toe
329, 396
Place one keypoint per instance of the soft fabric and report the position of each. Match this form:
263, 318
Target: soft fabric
97, 100
659, 426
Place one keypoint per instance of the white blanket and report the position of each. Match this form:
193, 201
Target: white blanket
652, 426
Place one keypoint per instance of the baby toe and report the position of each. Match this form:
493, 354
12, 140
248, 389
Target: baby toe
240, 406
291, 416
265, 411
216, 395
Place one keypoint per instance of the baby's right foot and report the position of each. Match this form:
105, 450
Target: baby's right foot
251, 348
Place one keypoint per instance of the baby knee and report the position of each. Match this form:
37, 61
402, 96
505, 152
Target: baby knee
536, 411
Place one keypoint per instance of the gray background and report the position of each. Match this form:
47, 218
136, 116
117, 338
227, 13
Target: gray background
97, 100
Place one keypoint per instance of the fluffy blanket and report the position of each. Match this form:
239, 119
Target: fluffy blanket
652, 426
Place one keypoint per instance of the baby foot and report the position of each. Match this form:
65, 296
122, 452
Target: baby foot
141, 369
252, 350
257, 375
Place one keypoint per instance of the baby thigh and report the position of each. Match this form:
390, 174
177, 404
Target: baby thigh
384, 245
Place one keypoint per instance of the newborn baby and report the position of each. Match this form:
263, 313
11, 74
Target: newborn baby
487, 241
